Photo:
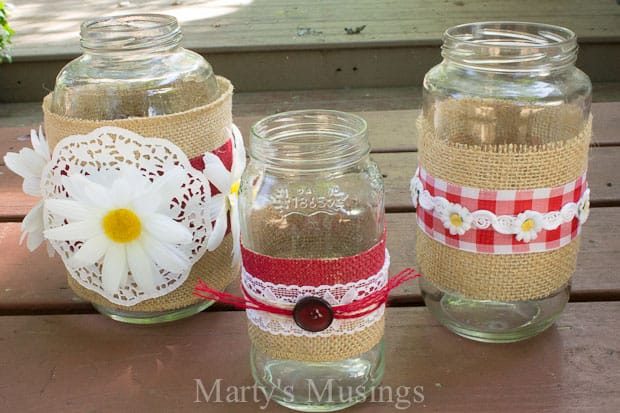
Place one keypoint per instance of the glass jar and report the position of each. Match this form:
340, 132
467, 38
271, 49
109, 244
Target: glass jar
134, 70
311, 192
511, 88
132, 66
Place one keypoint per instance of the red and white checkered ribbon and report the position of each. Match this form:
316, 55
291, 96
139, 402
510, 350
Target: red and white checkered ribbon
499, 221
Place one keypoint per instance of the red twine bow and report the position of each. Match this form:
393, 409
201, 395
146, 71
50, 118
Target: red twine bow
354, 309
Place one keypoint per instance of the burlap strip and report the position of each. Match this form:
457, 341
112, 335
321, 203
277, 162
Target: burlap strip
317, 348
553, 151
195, 131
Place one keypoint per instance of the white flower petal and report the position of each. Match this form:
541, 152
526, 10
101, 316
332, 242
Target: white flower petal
219, 230
166, 256
166, 229
142, 269
216, 173
215, 206
239, 156
90, 192
32, 227
33, 161
71, 209
32, 186
235, 230
14, 162
121, 193
34, 240
91, 251
39, 143
75, 231
114, 267
162, 191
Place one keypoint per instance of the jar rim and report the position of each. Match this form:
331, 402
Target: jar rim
130, 32
548, 34
309, 139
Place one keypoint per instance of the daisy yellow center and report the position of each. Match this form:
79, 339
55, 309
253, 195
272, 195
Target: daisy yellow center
527, 225
456, 220
234, 189
122, 225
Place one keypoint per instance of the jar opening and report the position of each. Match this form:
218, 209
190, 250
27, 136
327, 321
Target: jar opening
510, 46
130, 33
309, 140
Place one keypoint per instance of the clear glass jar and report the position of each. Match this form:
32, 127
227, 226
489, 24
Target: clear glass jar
134, 67
310, 181
528, 68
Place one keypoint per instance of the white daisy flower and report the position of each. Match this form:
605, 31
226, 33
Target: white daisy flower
227, 182
583, 206
125, 225
29, 164
457, 219
527, 225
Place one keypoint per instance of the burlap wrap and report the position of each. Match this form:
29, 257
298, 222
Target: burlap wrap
317, 348
552, 150
195, 131
307, 242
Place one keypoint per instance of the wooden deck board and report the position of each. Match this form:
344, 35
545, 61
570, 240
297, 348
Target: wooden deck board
256, 42
390, 132
258, 24
35, 284
90, 363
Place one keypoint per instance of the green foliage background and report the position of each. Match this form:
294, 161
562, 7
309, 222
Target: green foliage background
5, 35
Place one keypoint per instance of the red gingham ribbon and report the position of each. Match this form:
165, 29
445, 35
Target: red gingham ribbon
501, 202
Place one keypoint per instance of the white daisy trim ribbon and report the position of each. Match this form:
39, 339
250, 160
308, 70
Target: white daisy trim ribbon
525, 226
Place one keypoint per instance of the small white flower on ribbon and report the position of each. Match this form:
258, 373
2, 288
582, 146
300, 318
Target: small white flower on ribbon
227, 182
583, 206
457, 219
29, 164
527, 225
126, 224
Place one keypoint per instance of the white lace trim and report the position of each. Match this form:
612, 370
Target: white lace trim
337, 294
102, 154
285, 326
286, 296
504, 224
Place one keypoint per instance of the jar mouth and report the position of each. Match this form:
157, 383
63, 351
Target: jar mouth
130, 32
510, 46
308, 140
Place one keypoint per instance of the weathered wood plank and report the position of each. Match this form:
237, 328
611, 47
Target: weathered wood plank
251, 25
89, 363
399, 44
398, 168
34, 283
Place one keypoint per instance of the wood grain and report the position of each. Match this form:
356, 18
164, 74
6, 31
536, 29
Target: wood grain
32, 283
89, 363
254, 25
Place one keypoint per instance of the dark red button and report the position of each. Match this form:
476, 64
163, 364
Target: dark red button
313, 314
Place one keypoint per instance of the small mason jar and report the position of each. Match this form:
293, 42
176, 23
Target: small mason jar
312, 199
134, 74
500, 189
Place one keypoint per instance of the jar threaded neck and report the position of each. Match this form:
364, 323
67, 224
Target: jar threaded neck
510, 46
309, 140
130, 33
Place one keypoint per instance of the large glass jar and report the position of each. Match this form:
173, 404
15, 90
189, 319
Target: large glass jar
311, 199
505, 128
134, 75
132, 66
